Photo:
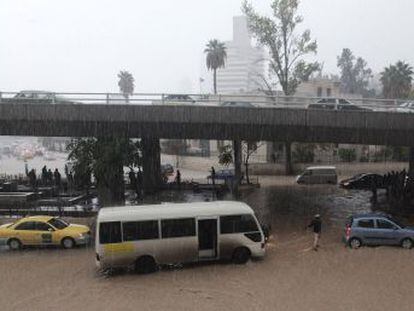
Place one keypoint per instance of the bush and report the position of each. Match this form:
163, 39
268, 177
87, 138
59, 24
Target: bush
347, 155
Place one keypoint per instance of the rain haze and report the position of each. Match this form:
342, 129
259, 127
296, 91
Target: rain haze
154, 157
81, 45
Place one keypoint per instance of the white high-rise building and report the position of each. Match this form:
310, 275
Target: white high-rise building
244, 64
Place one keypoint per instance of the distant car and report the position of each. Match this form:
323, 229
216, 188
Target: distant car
31, 96
363, 181
167, 169
225, 174
377, 229
405, 108
179, 98
237, 104
43, 230
338, 104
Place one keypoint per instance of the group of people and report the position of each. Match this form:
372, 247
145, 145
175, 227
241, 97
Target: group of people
47, 178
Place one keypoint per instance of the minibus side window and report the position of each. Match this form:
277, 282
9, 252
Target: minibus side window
140, 230
110, 232
237, 224
174, 228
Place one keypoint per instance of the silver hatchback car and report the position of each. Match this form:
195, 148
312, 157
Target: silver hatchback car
377, 229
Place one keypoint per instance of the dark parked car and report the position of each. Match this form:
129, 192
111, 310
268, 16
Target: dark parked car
167, 169
377, 229
225, 174
363, 181
338, 104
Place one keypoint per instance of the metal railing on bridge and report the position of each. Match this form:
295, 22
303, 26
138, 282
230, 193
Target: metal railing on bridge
221, 100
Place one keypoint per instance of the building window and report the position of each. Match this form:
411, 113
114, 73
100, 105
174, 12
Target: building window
319, 92
329, 92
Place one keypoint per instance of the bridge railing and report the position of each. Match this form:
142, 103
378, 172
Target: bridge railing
238, 100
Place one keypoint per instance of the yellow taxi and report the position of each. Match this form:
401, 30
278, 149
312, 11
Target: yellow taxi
43, 230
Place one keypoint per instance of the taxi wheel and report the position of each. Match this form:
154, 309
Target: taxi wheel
14, 244
68, 243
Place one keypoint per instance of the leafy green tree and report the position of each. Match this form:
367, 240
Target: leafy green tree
396, 80
216, 58
287, 46
347, 155
304, 153
126, 84
355, 75
248, 148
104, 158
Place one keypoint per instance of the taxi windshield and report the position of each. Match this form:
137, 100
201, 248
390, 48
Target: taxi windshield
58, 223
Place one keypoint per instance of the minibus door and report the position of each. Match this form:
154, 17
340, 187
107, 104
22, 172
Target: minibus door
207, 238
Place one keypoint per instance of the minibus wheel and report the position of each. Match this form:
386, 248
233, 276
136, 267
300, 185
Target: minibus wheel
241, 255
145, 264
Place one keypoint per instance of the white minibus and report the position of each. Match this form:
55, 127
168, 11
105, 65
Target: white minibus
150, 235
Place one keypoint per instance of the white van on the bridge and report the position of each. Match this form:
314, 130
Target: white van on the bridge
147, 236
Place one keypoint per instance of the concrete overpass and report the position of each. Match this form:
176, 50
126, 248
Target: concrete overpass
207, 122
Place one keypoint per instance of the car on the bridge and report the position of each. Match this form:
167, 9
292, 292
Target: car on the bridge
407, 107
237, 104
43, 230
377, 229
363, 181
338, 104
43, 97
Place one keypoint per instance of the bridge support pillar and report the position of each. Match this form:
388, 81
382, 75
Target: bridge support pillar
237, 161
151, 164
288, 158
411, 161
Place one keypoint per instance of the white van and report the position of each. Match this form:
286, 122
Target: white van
147, 236
318, 175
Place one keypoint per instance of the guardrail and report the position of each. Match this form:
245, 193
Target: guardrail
242, 100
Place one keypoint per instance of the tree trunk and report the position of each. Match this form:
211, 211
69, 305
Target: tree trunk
151, 159
411, 161
288, 155
215, 81
237, 160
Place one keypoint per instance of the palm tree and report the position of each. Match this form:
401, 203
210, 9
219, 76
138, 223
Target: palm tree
396, 80
216, 58
126, 84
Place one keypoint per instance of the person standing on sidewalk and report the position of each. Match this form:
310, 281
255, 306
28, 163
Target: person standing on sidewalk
316, 225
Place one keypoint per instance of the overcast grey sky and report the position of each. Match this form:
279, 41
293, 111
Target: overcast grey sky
80, 45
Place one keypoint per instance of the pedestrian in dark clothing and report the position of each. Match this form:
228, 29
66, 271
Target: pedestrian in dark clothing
32, 178
132, 180
213, 175
178, 178
140, 183
44, 175
49, 177
57, 176
316, 225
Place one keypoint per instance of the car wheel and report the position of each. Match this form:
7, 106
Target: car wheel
68, 243
14, 244
241, 255
407, 243
355, 243
145, 265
